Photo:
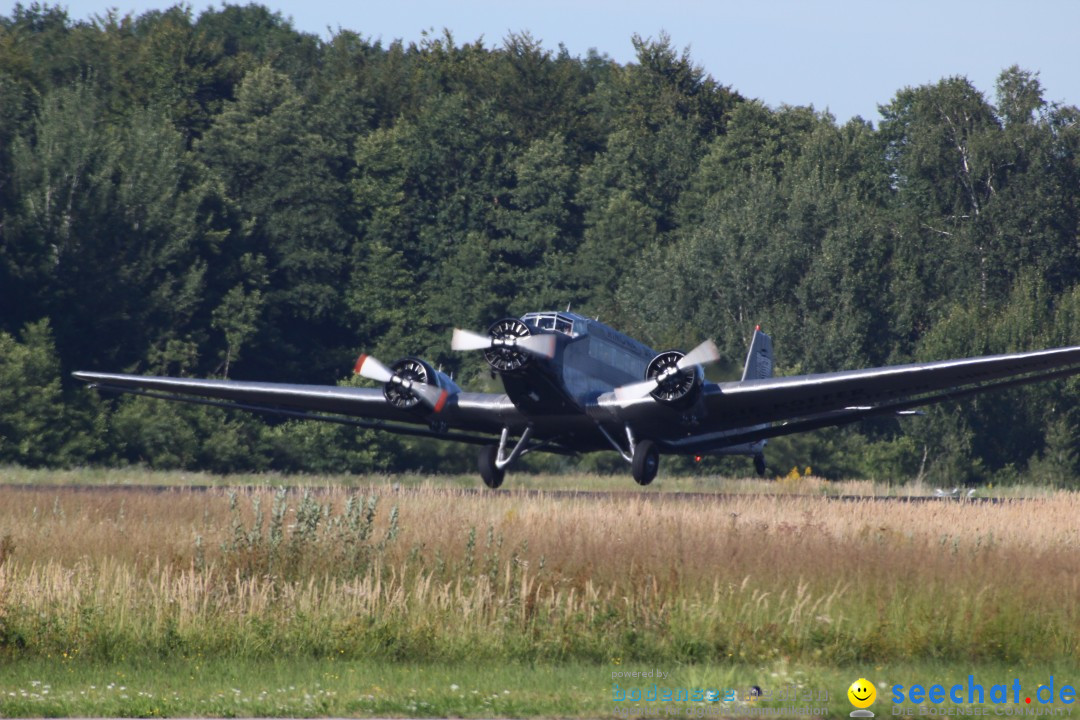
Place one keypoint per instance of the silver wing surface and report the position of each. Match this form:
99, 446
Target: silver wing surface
741, 412
733, 413
479, 414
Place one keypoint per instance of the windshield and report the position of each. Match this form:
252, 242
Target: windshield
551, 321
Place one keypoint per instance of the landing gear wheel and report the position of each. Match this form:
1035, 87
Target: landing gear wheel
646, 462
759, 464
491, 475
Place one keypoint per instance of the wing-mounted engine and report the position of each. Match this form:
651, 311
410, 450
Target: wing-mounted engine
673, 378
410, 383
677, 387
509, 346
412, 372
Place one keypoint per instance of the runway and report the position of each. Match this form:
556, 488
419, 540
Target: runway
504, 493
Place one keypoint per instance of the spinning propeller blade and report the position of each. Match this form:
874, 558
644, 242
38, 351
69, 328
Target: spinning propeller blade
431, 395
542, 345
465, 340
703, 354
637, 390
372, 369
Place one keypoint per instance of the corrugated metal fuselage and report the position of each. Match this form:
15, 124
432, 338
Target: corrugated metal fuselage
558, 396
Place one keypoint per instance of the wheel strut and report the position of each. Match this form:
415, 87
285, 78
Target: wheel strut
643, 455
493, 460
501, 461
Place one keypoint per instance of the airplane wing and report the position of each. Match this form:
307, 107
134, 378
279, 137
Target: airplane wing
775, 399
849, 415
418, 400
483, 413
750, 410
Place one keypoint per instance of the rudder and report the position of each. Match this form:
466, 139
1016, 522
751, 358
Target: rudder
759, 361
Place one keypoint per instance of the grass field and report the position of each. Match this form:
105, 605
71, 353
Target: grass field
794, 484
219, 602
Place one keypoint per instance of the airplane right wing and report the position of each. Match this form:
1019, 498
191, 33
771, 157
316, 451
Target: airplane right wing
484, 413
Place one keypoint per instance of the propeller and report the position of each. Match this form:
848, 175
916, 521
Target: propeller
542, 345
431, 395
703, 354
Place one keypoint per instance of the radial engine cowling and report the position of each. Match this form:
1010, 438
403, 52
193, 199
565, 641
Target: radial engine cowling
675, 387
409, 372
504, 356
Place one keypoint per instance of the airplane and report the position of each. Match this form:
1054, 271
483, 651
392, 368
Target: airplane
575, 385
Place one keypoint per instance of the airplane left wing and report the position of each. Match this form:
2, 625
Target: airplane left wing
776, 399
736, 413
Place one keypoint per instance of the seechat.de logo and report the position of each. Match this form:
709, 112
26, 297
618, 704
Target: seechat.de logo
862, 695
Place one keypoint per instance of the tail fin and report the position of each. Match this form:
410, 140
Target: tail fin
759, 361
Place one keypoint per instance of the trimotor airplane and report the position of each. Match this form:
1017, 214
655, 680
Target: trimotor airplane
575, 385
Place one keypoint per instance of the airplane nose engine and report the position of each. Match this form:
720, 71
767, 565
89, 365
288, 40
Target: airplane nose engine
509, 345
504, 355
675, 386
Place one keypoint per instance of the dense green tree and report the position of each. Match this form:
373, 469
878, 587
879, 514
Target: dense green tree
541, 225
426, 198
106, 237
942, 145
218, 193
542, 92
288, 207
238, 315
1019, 96
38, 424
664, 110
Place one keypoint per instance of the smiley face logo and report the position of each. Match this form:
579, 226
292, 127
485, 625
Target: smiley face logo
862, 693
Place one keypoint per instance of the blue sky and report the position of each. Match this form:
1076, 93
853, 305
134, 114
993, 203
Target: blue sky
844, 55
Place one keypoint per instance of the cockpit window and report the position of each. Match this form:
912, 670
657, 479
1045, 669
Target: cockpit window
551, 321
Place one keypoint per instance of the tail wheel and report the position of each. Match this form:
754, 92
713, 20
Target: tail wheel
646, 462
491, 475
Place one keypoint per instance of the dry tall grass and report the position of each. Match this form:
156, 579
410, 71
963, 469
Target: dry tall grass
448, 575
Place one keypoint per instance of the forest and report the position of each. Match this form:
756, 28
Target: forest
218, 194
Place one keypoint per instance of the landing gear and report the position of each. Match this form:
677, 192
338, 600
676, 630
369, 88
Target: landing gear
493, 460
643, 456
759, 464
645, 463
490, 473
